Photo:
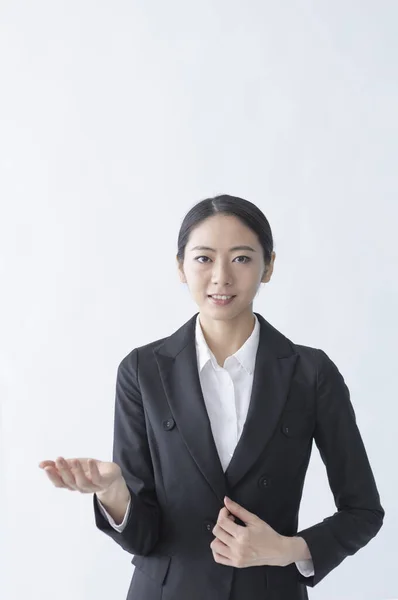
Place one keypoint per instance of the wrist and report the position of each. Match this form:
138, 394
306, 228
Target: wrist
294, 549
115, 500
117, 488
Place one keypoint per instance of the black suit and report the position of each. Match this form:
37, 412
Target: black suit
164, 446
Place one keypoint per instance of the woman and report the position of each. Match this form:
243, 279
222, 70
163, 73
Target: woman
213, 432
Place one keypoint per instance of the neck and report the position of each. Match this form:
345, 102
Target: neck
225, 336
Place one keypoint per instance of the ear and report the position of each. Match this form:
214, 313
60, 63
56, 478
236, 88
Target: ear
181, 272
268, 270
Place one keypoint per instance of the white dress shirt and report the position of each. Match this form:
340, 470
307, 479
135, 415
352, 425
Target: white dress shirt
226, 392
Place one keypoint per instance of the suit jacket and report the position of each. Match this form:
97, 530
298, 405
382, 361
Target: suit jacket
165, 448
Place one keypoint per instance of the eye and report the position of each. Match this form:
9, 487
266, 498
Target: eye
248, 259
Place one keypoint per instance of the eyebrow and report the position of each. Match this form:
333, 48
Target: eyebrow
248, 248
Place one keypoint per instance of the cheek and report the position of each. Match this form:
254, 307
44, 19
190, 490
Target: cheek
249, 283
194, 278
199, 281
196, 271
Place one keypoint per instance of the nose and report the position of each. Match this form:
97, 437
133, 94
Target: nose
221, 275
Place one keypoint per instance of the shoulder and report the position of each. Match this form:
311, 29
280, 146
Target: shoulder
307, 355
141, 354
313, 362
320, 369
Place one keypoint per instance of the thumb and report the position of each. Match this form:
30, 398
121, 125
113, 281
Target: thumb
238, 511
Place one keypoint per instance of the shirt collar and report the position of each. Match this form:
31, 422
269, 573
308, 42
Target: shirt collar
246, 355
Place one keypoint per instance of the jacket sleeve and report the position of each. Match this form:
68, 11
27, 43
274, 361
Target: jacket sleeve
131, 452
359, 514
111, 520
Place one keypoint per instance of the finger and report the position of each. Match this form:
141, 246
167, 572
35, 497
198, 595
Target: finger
221, 549
222, 560
55, 478
83, 483
94, 472
228, 524
239, 511
222, 535
66, 473
224, 513
46, 463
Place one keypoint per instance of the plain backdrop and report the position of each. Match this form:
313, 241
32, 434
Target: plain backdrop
116, 118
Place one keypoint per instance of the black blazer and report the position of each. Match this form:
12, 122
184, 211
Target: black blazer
165, 448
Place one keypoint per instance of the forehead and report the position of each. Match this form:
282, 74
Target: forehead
222, 229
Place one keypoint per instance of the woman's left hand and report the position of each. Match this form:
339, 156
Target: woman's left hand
253, 545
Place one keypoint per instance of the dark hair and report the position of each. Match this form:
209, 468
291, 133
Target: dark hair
244, 210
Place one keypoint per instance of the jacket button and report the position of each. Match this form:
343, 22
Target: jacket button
263, 482
285, 429
169, 424
209, 525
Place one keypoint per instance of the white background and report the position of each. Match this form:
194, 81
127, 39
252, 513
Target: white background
117, 117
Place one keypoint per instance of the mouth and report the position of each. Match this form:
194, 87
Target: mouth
221, 301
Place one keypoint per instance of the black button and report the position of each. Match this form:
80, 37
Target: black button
264, 482
302, 426
169, 424
209, 525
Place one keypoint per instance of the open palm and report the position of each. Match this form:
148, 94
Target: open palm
85, 475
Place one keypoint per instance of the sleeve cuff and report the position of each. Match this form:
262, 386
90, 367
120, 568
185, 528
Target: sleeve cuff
122, 525
306, 567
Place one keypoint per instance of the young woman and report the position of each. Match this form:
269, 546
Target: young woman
213, 432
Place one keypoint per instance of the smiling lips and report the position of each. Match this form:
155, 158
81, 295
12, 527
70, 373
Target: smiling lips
221, 300
220, 295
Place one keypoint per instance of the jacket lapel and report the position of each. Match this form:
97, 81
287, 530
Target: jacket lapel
178, 368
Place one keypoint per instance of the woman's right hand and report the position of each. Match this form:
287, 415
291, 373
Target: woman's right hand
85, 475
